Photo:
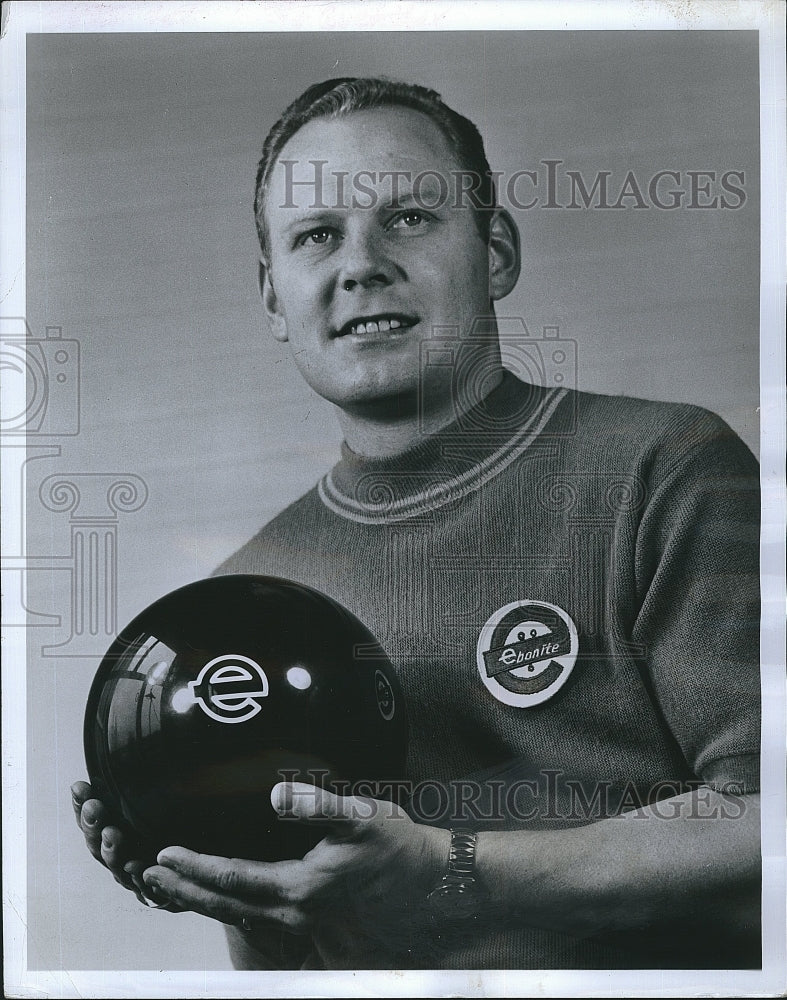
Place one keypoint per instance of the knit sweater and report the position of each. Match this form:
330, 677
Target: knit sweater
567, 585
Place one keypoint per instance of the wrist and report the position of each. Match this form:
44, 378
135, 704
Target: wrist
513, 869
435, 857
455, 894
537, 877
489, 848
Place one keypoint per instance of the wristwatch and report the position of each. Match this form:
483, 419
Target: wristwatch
456, 892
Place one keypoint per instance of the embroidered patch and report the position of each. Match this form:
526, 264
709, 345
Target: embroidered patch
526, 652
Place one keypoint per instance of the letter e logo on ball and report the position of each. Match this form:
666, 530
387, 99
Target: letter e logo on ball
229, 687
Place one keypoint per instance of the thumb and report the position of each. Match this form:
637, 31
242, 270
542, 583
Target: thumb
312, 804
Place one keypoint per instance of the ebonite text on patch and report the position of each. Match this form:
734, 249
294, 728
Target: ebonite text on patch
498, 660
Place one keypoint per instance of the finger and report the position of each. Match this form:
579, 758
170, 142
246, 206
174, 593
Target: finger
114, 852
134, 870
93, 819
147, 895
156, 899
312, 804
230, 876
80, 793
130, 875
164, 883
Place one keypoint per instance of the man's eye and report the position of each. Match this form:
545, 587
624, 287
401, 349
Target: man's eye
316, 237
409, 219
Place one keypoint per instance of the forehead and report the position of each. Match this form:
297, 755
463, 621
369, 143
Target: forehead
353, 147
390, 133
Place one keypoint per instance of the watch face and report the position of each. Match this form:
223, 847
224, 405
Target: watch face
454, 898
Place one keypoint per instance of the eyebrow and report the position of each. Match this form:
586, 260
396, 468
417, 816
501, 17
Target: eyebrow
406, 200
312, 218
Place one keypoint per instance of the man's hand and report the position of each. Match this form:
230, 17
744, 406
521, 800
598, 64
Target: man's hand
360, 892
108, 843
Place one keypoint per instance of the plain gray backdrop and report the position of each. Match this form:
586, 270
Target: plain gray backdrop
142, 150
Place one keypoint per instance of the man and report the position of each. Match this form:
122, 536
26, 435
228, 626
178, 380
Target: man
566, 584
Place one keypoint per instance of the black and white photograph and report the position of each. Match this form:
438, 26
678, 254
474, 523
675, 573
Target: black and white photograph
393, 521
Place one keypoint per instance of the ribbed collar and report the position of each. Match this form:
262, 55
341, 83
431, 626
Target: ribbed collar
445, 465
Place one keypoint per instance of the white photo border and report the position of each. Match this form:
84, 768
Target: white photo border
21, 19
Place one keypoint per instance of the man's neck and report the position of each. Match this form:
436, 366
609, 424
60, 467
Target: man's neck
394, 427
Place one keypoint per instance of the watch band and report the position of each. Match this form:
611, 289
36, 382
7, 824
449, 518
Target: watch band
457, 886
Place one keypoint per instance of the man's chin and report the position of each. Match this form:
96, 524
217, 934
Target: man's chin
390, 402
386, 387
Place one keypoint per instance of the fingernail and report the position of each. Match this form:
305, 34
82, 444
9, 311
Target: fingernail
281, 797
156, 893
172, 857
106, 840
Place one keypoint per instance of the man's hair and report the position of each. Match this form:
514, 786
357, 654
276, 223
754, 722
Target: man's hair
343, 95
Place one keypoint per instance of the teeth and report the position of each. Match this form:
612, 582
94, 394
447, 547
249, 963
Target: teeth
376, 326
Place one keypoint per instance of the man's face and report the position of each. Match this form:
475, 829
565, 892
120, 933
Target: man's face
357, 289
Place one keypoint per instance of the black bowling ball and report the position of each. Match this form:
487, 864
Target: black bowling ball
221, 689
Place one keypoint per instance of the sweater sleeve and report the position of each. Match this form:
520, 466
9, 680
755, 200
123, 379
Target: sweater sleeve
697, 565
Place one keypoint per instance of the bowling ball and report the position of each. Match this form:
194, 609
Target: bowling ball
225, 687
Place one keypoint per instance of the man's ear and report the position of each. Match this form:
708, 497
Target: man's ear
504, 257
270, 304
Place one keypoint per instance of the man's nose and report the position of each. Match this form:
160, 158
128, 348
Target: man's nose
364, 263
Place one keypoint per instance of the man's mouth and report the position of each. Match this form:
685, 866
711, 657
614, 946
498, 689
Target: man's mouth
379, 323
